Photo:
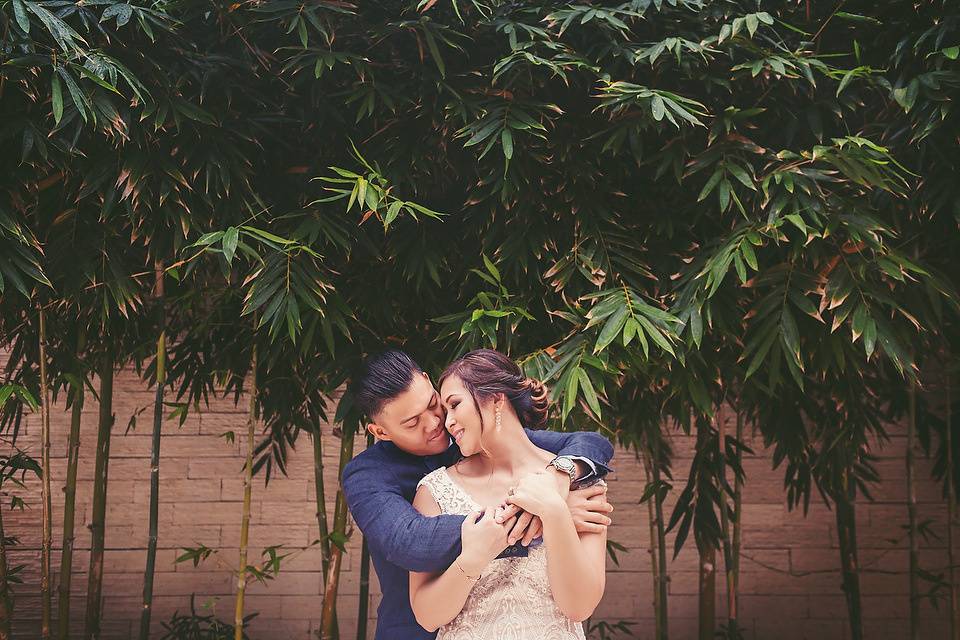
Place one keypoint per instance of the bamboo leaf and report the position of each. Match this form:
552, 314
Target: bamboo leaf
230, 238
611, 329
492, 268
589, 392
56, 95
20, 13
791, 336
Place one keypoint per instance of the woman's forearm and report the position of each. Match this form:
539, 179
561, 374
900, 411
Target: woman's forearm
438, 600
575, 581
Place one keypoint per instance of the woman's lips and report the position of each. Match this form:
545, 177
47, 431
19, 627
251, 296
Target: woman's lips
457, 434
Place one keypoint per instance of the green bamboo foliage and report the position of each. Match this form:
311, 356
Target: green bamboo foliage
76, 394
94, 609
161, 382
46, 608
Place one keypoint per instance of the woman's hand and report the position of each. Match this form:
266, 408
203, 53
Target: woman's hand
482, 540
538, 493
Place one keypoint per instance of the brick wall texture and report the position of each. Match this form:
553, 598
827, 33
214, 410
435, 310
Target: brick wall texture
790, 585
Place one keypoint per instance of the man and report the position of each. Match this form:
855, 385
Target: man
407, 418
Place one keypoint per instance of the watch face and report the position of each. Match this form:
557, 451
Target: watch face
565, 465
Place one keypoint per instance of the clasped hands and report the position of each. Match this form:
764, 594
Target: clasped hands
538, 493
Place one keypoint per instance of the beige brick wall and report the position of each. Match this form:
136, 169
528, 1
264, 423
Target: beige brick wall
790, 586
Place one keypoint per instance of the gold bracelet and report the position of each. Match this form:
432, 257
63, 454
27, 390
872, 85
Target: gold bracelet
457, 562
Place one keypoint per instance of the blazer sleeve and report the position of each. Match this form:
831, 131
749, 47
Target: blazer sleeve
586, 445
390, 524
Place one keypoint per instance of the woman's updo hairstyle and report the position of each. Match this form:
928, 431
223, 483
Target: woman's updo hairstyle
486, 372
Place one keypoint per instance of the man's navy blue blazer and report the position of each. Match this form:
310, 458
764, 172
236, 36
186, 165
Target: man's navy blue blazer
380, 484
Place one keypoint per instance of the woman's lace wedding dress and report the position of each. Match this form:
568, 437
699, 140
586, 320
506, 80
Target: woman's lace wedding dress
512, 599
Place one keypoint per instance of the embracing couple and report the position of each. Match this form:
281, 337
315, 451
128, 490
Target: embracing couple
480, 524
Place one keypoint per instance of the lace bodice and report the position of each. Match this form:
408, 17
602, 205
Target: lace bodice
512, 599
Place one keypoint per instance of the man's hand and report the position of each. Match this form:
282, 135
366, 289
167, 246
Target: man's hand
589, 507
527, 528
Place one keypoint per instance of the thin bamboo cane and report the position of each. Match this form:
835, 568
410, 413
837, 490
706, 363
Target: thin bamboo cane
320, 498
663, 576
728, 562
99, 509
161, 375
247, 496
6, 601
70, 501
707, 606
912, 515
951, 514
738, 509
707, 569
658, 612
328, 616
849, 563
47, 510
364, 602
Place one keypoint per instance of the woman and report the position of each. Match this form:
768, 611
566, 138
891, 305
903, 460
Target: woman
542, 596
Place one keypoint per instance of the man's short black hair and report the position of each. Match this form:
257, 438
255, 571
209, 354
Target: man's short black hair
381, 378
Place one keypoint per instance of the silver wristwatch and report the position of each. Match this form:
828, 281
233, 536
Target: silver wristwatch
566, 465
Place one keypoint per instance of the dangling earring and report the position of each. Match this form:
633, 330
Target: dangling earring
497, 420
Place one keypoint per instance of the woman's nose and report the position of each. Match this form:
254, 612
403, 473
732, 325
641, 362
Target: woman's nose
448, 421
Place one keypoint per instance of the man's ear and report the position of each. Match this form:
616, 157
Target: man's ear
377, 431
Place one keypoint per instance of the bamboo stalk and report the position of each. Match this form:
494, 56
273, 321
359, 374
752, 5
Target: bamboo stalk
6, 599
99, 509
653, 550
70, 501
738, 509
728, 563
707, 592
849, 564
951, 515
663, 577
912, 516
47, 510
247, 495
320, 498
364, 603
161, 373
707, 568
328, 617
